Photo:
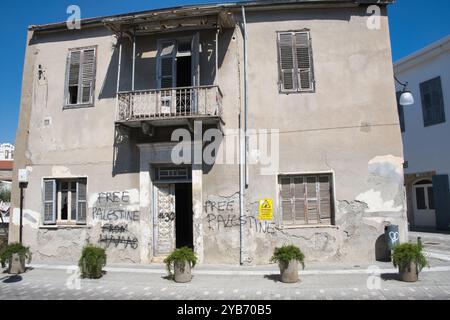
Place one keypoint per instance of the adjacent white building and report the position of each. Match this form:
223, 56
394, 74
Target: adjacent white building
6, 151
426, 130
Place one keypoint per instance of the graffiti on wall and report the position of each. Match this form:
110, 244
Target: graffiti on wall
112, 206
118, 235
224, 215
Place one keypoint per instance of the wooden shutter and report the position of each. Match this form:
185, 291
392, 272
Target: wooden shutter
287, 206
401, 114
49, 201
299, 195
312, 205
432, 102
166, 77
441, 192
325, 199
303, 61
87, 76
286, 60
81, 202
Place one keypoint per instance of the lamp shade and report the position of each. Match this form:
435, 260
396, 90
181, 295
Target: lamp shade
406, 99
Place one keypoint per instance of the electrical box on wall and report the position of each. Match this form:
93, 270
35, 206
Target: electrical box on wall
23, 176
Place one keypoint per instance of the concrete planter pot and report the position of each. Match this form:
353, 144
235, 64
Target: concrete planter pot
182, 271
410, 273
289, 271
16, 264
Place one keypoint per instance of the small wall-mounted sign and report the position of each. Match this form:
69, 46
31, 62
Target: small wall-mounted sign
265, 209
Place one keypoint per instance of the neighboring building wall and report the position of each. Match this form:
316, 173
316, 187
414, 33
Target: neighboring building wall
348, 128
6, 151
425, 154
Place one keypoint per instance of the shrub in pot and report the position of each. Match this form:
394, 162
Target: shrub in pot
288, 258
182, 260
410, 260
92, 261
15, 255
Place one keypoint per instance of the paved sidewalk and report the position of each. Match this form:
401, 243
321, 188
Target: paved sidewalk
318, 282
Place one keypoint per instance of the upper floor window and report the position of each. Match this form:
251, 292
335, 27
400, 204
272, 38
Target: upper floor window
80, 77
295, 62
432, 102
401, 114
64, 201
306, 199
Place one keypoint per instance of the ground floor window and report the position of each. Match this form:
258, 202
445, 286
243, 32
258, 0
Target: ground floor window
64, 201
306, 199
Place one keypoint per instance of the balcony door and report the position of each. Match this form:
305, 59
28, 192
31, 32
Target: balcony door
178, 67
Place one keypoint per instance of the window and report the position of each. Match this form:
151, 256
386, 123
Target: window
432, 102
306, 200
295, 62
64, 201
80, 78
401, 114
173, 173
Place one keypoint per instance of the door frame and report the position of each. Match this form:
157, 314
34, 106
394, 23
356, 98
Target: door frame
158, 182
416, 210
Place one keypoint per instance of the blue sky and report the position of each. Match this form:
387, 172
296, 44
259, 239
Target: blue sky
414, 24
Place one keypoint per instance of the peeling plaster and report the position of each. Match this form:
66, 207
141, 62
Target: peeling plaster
376, 203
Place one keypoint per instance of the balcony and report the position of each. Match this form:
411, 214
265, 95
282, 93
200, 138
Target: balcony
167, 107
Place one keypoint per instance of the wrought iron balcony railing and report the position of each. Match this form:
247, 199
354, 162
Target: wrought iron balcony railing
202, 101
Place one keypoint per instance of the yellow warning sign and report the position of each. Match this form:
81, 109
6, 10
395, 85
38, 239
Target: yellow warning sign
265, 209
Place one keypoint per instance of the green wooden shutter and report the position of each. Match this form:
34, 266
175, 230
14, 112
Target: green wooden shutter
166, 55
288, 81
81, 202
49, 201
441, 192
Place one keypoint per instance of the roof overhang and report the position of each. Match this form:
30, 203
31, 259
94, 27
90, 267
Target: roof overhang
198, 16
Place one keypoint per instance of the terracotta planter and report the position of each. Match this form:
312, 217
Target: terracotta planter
409, 273
17, 264
289, 271
182, 271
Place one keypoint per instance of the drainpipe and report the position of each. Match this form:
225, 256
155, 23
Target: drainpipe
119, 40
134, 63
243, 178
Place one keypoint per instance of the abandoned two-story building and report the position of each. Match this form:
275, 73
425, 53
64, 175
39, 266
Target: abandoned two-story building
309, 149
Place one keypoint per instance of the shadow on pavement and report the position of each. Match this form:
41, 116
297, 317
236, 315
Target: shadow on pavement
273, 277
390, 276
12, 279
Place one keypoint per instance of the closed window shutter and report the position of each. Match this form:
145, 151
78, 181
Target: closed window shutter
286, 201
325, 199
49, 202
306, 200
287, 68
81, 202
303, 60
432, 102
88, 76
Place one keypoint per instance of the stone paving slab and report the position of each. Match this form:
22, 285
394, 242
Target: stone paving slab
45, 284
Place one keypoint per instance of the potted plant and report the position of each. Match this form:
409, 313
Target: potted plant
410, 260
288, 258
183, 260
92, 260
15, 255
